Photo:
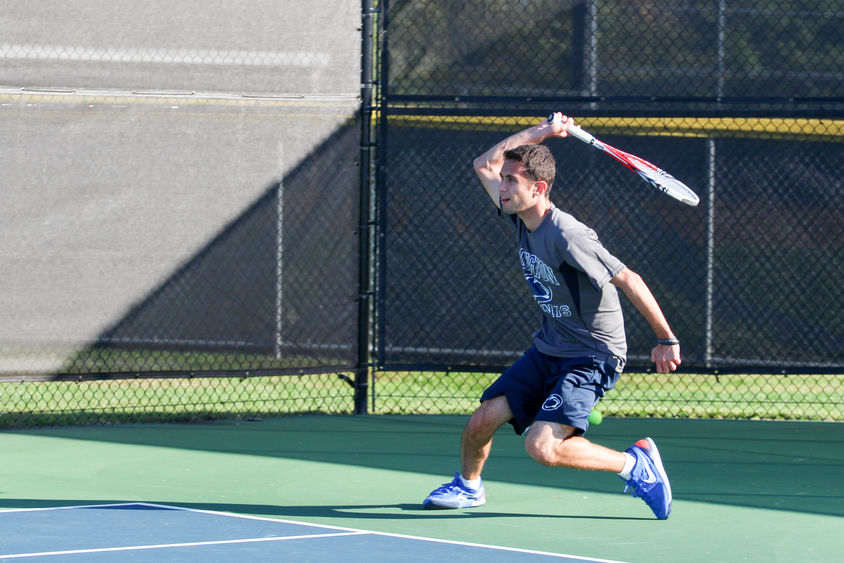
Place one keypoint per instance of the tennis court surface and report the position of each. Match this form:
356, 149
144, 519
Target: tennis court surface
147, 532
345, 488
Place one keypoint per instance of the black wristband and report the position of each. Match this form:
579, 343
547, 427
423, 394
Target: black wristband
669, 342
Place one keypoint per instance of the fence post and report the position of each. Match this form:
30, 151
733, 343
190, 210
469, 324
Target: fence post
365, 222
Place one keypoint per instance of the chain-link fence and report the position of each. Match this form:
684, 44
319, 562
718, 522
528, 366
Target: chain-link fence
748, 277
184, 202
675, 52
740, 100
141, 300
179, 209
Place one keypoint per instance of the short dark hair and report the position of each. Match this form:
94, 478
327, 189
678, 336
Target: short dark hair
538, 161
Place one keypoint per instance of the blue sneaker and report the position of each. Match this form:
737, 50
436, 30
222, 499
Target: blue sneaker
455, 495
648, 480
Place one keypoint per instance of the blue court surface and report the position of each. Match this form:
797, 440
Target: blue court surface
153, 532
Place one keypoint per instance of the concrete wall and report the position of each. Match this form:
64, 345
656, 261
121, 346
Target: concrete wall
128, 146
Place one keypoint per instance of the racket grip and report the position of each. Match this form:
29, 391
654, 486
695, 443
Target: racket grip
578, 133
575, 131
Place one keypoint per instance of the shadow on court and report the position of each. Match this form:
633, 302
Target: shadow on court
402, 511
789, 466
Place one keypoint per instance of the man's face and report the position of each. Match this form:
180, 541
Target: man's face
516, 191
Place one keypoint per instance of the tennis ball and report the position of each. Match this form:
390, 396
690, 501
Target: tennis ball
595, 417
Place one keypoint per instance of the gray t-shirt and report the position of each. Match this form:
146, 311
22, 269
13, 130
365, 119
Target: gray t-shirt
568, 271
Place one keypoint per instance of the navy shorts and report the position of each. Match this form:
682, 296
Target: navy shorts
542, 387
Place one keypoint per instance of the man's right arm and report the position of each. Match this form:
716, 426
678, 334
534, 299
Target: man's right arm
666, 358
488, 165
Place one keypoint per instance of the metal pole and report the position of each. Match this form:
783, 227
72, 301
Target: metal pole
710, 204
722, 65
710, 253
364, 211
379, 193
279, 256
592, 51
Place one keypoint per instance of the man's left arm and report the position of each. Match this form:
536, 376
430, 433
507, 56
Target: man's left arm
666, 358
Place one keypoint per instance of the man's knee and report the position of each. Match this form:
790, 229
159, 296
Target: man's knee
548, 443
540, 449
489, 417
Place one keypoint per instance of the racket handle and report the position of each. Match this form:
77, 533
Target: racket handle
575, 131
578, 133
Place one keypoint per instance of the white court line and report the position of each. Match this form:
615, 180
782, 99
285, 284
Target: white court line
169, 56
389, 534
170, 545
108, 505
343, 532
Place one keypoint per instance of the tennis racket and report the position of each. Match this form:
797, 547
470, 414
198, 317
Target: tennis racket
658, 178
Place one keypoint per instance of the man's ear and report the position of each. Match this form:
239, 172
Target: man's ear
540, 187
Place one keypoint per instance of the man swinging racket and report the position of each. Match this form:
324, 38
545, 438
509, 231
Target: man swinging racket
580, 349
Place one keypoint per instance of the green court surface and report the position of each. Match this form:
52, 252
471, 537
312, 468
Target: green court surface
743, 490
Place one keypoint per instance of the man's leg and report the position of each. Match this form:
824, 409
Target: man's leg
556, 445
466, 489
523, 382
477, 435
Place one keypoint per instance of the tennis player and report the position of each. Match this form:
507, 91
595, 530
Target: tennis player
580, 348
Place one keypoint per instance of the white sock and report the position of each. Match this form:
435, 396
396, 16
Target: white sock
473, 484
629, 462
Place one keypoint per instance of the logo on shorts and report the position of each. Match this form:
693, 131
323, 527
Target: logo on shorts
552, 403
